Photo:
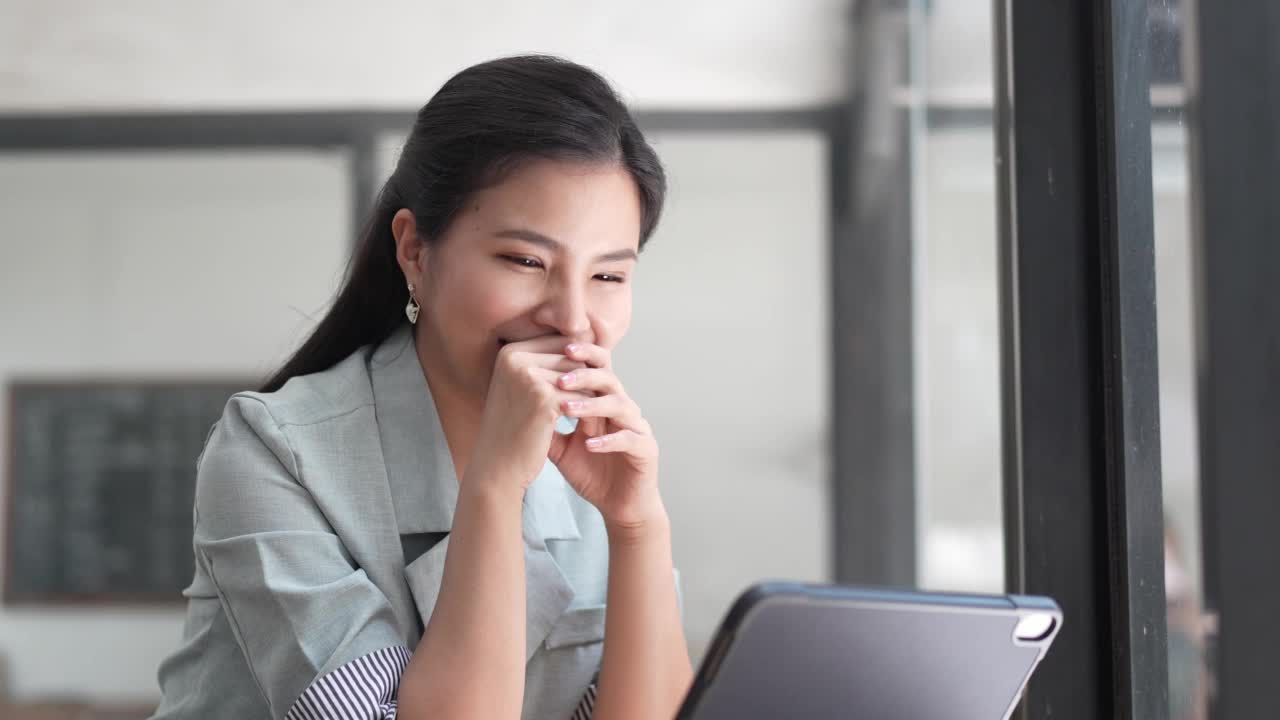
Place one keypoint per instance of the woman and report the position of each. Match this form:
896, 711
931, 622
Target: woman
404, 522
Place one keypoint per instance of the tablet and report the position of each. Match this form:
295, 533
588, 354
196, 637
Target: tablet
788, 650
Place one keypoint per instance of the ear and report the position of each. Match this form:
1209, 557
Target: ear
410, 250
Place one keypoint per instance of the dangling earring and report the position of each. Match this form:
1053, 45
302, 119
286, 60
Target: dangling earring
411, 308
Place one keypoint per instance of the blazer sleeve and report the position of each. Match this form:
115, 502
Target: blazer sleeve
320, 639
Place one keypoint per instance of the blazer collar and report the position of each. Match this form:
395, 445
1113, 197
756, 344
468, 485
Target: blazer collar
420, 472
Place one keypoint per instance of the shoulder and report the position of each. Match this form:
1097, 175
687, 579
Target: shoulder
257, 426
256, 455
314, 398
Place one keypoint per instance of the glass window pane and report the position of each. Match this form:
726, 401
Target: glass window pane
957, 321
1189, 679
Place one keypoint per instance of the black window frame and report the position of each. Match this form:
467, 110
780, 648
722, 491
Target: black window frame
1083, 506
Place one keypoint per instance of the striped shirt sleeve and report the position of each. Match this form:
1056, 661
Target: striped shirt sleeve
363, 689
587, 705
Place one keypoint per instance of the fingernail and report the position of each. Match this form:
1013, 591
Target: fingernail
572, 404
566, 379
573, 347
595, 442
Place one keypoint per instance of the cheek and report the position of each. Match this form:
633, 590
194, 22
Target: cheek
612, 319
484, 308
477, 305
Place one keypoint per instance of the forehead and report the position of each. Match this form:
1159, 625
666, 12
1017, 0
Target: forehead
582, 206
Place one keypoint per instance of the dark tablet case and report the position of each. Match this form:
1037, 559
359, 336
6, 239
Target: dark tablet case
817, 652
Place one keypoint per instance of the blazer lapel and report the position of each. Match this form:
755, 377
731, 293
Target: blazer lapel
424, 486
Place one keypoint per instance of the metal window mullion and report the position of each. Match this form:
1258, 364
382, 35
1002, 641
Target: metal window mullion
1082, 474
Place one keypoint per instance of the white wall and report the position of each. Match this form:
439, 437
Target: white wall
140, 265
956, 334
1179, 433
958, 358
239, 54
729, 354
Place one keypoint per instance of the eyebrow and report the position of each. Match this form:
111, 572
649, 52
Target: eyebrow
538, 238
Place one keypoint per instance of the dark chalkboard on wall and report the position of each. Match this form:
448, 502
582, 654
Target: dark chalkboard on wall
99, 488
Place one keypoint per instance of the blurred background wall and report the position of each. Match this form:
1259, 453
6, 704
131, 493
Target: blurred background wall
140, 54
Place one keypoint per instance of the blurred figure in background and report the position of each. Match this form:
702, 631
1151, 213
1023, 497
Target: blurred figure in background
1189, 680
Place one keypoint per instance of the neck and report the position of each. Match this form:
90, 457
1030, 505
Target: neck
459, 411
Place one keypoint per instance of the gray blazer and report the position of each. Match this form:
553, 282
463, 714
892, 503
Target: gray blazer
322, 516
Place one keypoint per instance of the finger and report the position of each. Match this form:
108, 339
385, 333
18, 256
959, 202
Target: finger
540, 344
624, 441
600, 380
550, 376
593, 426
556, 363
617, 408
593, 355
551, 342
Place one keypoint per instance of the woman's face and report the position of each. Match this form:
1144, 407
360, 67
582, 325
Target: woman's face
551, 250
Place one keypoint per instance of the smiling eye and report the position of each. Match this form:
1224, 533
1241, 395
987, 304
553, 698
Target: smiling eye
610, 277
522, 261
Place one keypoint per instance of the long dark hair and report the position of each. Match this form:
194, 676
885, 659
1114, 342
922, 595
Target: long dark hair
482, 123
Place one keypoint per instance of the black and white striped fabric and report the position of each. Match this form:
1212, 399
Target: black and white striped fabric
587, 705
365, 689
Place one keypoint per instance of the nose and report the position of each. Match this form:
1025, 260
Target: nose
565, 311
